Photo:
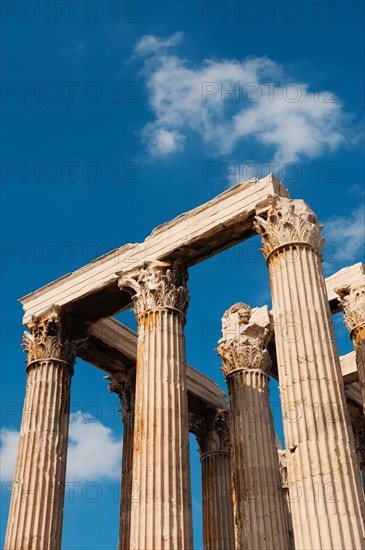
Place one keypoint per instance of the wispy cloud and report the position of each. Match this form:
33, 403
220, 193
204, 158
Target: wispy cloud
345, 237
356, 189
90, 442
150, 44
229, 101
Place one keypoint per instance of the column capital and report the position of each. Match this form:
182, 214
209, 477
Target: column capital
288, 223
243, 345
212, 432
198, 427
124, 385
159, 285
352, 300
50, 339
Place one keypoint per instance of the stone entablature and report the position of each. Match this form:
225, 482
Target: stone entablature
190, 238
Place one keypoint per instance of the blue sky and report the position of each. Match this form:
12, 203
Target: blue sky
130, 123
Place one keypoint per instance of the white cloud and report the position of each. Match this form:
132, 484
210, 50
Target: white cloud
93, 453
9, 444
150, 44
161, 141
266, 105
345, 237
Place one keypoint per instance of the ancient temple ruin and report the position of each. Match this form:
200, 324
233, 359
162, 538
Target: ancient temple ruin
254, 494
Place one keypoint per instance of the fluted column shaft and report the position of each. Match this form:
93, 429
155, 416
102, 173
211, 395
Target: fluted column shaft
324, 483
259, 499
36, 509
217, 505
124, 386
260, 513
215, 457
161, 512
127, 483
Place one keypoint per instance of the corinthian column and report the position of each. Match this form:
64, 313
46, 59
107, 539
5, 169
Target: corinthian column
213, 438
36, 508
260, 515
124, 386
161, 513
324, 482
352, 299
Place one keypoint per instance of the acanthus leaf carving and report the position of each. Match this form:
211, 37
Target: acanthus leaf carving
289, 222
219, 427
352, 299
124, 385
48, 339
244, 342
212, 432
198, 427
159, 285
237, 356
